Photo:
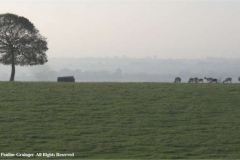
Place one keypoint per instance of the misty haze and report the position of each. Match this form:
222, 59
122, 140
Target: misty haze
123, 69
132, 41
137, 29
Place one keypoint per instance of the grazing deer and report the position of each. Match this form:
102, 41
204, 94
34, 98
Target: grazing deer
213, 80
228, 80
195, 79
190, 80
208, 79
200, 80
177, 80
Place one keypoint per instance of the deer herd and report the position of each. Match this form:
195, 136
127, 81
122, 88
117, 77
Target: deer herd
200, 80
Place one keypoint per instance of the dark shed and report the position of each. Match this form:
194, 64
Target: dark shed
66, 79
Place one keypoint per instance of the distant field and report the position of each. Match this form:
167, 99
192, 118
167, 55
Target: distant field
121, 120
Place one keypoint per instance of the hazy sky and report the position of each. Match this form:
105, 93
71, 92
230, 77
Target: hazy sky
166, 29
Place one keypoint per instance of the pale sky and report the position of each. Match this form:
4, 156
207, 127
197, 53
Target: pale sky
166, 29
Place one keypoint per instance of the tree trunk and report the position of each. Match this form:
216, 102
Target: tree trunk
13, 68
13, 72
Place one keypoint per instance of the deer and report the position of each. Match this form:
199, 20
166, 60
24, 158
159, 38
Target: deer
190, 80
228, 80
213, 80
200, 80
208, 79
177, 80
195, 80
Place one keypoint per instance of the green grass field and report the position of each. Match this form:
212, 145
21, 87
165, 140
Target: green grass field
121, 120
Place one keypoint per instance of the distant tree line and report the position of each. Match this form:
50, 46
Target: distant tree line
129, 69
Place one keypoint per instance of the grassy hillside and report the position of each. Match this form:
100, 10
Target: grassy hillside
121, 120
